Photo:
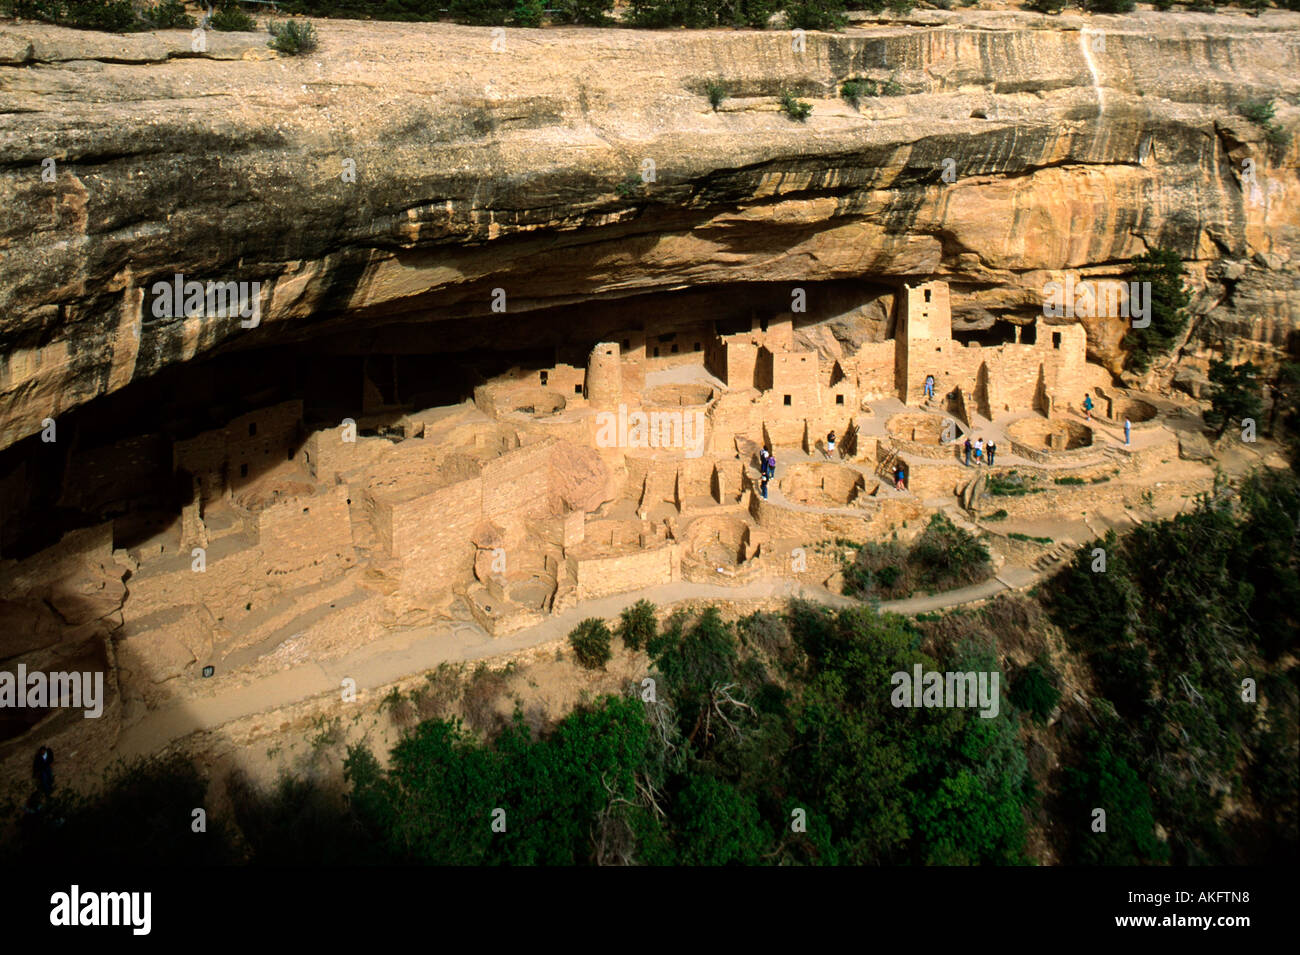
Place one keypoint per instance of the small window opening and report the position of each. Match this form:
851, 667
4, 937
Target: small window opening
787, 401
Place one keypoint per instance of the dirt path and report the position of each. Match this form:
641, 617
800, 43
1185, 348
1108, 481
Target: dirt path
400, 655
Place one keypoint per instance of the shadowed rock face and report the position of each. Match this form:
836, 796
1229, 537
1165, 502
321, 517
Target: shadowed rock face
478, 170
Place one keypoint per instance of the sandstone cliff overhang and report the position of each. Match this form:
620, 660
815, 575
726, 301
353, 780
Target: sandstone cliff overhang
409, 171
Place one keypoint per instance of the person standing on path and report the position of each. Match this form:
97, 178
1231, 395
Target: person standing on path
762, 462
929, 386
1128, 430
1087, 406
993, 449
43, 769
771, 466
830, 444
762, 488
900, 479
979, 451
966, 448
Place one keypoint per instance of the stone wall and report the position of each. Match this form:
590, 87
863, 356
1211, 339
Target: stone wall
234, 456
309, 536
619, 573
519, 483
877, 375
432, 534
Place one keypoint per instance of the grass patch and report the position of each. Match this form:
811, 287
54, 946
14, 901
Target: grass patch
1069, 481
1011, 484
1017, 536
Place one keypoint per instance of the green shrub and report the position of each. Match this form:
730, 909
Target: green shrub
892, 88
496, 13
901, 7
293, 37
1163, 4
1234, 394
947, 556
637, 625
1277, 137
1163, 268
1069, 481
999, 515
943, 556
698, 14
1111, 6
528, 13
591, 643
1035, 689
852, 91
168, 15
591, 12
231, 19
1011, 484
1260, 112
1016, 535
815, 14
716, 93
113, 16
1046, 6
796, 109
629, 186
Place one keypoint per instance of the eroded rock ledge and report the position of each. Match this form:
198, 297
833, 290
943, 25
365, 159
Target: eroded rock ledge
478, 170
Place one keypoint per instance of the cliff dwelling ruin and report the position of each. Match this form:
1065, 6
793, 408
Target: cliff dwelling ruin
304, 526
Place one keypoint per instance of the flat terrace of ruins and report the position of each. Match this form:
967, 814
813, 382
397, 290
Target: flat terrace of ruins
558, 485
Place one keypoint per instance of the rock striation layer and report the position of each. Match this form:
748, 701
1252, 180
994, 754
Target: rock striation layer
408, 171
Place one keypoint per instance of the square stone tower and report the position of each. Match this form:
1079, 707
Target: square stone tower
923, 336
